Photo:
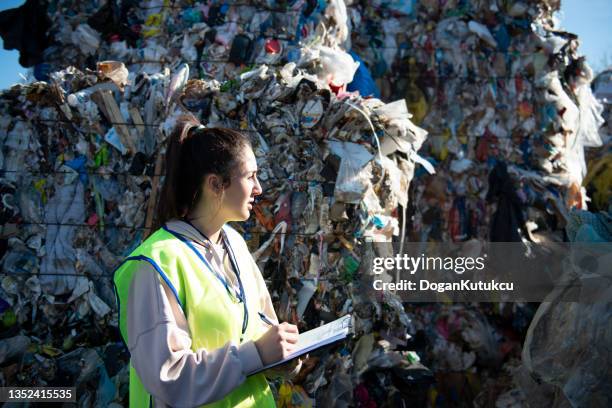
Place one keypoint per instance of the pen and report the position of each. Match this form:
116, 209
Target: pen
266, 319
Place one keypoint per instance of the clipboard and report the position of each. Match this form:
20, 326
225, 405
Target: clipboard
315, 339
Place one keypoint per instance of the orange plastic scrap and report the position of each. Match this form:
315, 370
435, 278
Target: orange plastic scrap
525, 110
260, 213
574, 196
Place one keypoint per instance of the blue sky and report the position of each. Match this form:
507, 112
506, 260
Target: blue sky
9, 65
590, 19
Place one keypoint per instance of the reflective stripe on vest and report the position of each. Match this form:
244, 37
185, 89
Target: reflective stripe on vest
213, 316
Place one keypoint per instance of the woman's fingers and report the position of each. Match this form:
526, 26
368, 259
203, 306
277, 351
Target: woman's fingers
289, 337
278, 342
288, 327
287, 350
288, 332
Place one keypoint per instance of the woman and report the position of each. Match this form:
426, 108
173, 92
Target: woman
191, 296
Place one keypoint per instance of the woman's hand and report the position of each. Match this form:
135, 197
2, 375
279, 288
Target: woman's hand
277, 343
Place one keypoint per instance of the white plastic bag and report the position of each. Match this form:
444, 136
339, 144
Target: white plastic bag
86, 38
338, 66
352, 180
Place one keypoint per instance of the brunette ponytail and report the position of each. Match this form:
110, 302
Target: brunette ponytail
193, 152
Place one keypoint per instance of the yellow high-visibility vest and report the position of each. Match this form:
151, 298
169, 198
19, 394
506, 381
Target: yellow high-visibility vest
215, 313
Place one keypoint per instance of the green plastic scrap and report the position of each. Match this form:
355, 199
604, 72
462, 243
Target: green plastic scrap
351, 265
101, 157
413, 357
8, 318
228, 85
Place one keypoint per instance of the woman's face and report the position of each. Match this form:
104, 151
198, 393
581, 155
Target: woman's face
239, 196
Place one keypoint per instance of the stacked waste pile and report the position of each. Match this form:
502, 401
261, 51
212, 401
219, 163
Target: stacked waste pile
81, 166
491, 81
214, 37
507, 102
565, 357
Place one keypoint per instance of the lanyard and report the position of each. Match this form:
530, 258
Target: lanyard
245, 320
241, 296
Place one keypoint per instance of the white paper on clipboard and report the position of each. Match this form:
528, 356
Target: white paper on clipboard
316, 338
